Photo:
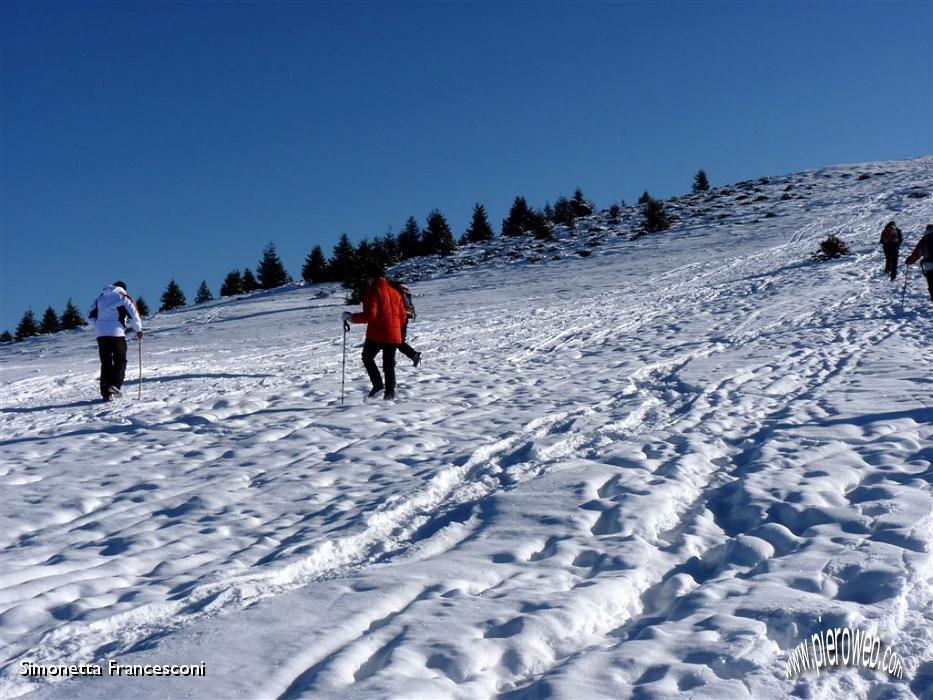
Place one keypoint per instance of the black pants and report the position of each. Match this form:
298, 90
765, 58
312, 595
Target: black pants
890, 258
112, 363
370, 350
406, 349
929, 276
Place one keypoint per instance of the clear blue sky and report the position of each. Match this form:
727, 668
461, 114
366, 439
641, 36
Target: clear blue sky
146, 141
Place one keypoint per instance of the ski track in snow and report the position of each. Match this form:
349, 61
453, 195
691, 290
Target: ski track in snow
643, 474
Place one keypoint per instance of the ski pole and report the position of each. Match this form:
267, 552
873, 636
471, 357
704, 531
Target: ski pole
904, 290
343, 370
139, 395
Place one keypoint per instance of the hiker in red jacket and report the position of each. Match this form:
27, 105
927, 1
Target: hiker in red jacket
891, 239
924, 250
383, 313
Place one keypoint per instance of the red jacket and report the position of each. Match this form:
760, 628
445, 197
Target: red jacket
383, 312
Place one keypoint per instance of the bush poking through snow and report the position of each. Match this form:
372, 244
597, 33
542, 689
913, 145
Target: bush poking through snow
831, 247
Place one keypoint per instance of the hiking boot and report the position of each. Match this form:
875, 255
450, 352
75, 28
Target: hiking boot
114, 392
389, 396
416, 360
374, 391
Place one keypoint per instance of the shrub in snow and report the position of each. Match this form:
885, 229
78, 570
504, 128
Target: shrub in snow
830, 248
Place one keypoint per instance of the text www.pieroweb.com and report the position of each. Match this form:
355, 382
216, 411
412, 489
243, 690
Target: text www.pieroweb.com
843, 646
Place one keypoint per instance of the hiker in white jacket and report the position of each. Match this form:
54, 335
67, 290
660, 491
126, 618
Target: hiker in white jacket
108, 315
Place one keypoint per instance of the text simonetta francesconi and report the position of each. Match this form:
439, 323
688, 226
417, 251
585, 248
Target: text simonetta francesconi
112, 668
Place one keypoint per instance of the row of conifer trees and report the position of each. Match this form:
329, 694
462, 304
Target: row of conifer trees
347, 262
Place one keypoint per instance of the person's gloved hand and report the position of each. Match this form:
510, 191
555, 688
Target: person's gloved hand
347, 315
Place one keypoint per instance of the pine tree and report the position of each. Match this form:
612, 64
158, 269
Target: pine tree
541, 227
656, 218
563, 212
50, 323
700, 182
232, 285
172, 297
343, 265
270, 271
6, 337
437, 238
71, 317
615, 212
645, 198
385, 248
249, 281
315, 267
409, 240
579, 205
521, 219
27, 326
479, 230
142, 307
204, 294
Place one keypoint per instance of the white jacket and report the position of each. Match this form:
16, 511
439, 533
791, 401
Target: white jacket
110, 310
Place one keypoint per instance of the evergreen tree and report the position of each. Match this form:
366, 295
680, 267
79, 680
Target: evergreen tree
479, 230
233, 284
270, 271
342, 263
50, 323
540, 226
315, 267
563, 212
71, 317
615, 212
204, 294
249, 281
354, 279
142, 307
579, 205
656, 218
6, 337
700, 182
27, 326
437, 238
645, 198
409, 240
521, 219
386, 248
172, 297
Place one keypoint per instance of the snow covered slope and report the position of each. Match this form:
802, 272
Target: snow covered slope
648, 472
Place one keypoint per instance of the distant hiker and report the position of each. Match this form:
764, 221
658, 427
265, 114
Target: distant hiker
891, 239
108, 315
410, 315
924, 253
383, 313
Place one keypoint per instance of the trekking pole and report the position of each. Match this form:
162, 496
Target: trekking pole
343, 370
139, 394
904, 290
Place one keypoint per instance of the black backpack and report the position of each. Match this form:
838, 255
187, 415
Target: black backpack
407, 298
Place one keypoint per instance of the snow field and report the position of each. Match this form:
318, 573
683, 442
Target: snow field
646, 473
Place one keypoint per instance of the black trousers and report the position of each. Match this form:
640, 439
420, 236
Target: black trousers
406, 349
370, 350
890, 258
112, 363
929, 276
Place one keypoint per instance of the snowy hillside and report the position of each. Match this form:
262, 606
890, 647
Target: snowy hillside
652, 471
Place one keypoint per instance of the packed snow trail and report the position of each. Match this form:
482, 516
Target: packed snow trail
642, 473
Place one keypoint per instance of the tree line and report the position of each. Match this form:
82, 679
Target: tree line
348, 262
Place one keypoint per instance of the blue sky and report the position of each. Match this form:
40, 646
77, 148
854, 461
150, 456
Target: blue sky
149, 141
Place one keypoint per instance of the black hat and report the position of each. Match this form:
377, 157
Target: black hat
375, 271
120, 283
